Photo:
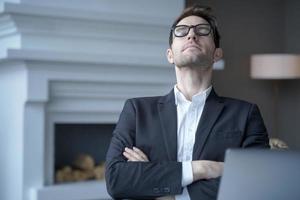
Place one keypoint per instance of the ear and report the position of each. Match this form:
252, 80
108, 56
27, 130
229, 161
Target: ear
218, 54
169, 55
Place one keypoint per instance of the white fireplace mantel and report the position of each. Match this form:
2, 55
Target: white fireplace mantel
72, 61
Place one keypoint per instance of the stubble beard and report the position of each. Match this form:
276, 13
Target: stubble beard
195, 61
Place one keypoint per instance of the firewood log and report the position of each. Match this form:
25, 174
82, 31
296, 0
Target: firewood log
64, 174
84, 162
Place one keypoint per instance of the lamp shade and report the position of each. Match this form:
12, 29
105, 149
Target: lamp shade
275, 66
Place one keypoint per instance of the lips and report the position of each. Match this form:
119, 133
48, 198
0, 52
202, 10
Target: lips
187, 46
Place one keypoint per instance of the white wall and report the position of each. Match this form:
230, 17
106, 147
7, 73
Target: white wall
48, 46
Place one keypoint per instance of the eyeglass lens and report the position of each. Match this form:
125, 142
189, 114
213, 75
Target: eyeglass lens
199, 29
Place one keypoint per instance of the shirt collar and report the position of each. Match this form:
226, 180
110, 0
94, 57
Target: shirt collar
198, 98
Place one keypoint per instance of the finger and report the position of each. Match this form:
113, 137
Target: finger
126, 155
129, 156
134, 155
139, 154
138, 151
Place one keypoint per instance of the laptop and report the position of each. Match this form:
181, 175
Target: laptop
260, 175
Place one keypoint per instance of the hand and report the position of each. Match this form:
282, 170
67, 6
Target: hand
206, 169
135, 154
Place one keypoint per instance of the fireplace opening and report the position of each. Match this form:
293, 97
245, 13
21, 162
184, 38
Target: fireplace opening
80, 151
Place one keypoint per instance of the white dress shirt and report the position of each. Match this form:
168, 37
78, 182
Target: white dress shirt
188, 116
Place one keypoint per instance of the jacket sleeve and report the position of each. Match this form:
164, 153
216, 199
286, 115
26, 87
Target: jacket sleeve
204, 189
138, 180
255, 135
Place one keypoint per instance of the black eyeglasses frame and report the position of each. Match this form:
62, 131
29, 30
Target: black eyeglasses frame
191, 27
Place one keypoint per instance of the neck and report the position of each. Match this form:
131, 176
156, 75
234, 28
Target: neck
191, 81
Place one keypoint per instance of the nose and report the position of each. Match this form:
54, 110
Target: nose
191, 35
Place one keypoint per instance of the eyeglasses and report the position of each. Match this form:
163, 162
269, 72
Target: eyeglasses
199, 29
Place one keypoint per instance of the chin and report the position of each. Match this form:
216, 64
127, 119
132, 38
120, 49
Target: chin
195, 66
195, 62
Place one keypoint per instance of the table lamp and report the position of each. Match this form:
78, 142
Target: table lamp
275, 67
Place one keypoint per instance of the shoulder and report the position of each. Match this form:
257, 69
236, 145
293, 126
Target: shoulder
228, 101
152, 100
235, 101
144, 101
238, 104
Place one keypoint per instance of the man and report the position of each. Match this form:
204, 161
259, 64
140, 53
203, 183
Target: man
173, 146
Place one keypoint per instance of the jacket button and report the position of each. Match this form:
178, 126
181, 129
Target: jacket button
166, 190
156, 190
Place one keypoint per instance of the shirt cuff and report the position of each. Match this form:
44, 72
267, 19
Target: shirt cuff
187, 173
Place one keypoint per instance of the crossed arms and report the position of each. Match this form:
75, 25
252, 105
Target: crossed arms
145, 172
202, 169
143, 179
129, 172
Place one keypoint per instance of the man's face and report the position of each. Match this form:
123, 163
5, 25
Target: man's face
193, 50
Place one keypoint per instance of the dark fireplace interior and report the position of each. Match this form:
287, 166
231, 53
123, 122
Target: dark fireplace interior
74, 140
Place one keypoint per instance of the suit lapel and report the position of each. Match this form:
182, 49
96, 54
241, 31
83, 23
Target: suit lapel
168, 118
212, 109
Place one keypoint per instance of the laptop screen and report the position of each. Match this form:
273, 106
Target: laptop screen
260, 175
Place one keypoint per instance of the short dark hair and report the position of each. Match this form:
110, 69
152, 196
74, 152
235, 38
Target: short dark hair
204, 12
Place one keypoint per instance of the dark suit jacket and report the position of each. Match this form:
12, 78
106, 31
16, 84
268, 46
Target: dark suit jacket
150, 124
